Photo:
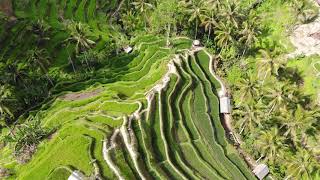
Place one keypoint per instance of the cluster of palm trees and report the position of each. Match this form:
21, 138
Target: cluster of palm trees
277, 119
221, 22
23, 74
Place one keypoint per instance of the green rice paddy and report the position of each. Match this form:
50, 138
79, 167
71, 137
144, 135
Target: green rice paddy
178, 133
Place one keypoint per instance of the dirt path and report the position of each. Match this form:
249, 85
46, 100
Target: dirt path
81, 95
107, 147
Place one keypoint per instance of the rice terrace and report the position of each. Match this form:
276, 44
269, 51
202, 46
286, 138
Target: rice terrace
159, 89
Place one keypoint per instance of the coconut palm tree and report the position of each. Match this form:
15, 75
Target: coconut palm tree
249, 88
79, 35
40, 59
269, 144
250, 116
249, 33
143, 6
302, 165
5, 99
195, 11
296, 123
223, 35
41, 29
231, 14
209, 23
268, 65
130, 21
15, 73
279, 96
304, 13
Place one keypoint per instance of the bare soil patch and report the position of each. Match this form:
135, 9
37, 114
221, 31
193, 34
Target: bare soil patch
306, 39
81, 95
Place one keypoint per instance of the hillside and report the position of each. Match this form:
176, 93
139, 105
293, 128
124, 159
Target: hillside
168, 89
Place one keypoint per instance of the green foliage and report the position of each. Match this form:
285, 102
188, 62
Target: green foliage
274, 112
58, 46
27, 136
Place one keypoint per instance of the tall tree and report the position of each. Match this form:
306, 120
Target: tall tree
143, 7
79, 35
231, 13
279, 96
164, 17
249, 33
209, 23
5, 100
296, 123
302, 165
40, 59
250, 116
195, 10
248, 88
269, 65
224, 35
270, 143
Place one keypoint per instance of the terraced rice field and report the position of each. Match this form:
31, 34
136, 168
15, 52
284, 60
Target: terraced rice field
167, 127
153, 114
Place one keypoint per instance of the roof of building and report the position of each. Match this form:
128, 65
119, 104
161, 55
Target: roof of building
128, 49
225, 105
261, 171
196, 43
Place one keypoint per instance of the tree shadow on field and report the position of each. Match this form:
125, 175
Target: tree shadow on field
291, 74
109, 72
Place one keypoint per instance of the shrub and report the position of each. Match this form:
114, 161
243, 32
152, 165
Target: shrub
25, 138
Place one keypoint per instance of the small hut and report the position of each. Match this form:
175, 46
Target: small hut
196, 43
261, 171
225, 105
128, 49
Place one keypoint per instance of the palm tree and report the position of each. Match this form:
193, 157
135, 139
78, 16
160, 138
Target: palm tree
41, 58
15, 73
302, 166
249, 33
223, 35
209, 23
297, 122
143, 6
79, 35
270, 143
5, 98
250, 116
268, 65
195, 11
249, 87
279, 96
303, 13
130, 21
231, 13
42, 29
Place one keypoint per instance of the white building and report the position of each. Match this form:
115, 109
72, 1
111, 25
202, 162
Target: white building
261, 171
196, 43
225, 105
76, 175
128, 49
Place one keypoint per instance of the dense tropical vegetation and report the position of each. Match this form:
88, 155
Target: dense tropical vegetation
49, 48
